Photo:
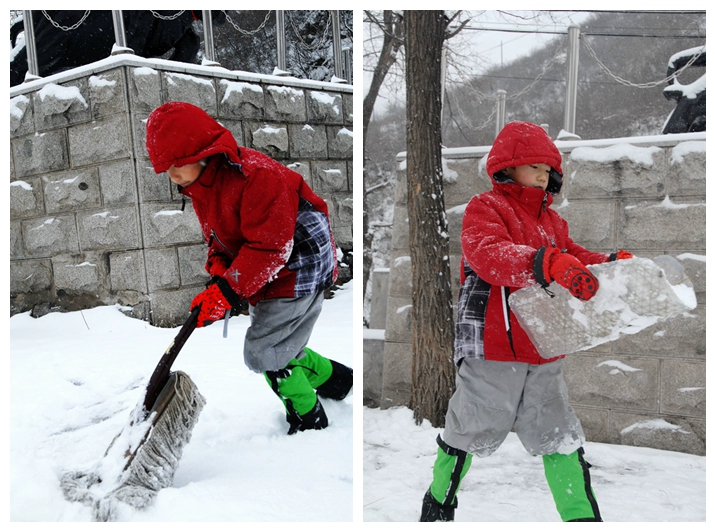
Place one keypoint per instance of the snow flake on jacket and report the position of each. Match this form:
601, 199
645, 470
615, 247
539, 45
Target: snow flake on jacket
257, 216
501, 233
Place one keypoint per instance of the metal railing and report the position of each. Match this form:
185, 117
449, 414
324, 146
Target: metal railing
341, 74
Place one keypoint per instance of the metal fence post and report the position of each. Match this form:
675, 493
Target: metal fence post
33, 69
209, 51
281, 41
572, 80
337, 45
348, 65
120, 38
501, 110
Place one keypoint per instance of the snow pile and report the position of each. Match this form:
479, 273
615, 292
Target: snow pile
76, 377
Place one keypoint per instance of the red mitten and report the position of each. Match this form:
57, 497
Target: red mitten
570, 273
621, 255
213, 305
217, 264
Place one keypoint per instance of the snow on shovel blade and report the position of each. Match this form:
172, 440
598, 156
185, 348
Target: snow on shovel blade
633, 294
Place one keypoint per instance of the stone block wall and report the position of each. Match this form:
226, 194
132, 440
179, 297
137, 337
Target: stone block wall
643, 195
90, 221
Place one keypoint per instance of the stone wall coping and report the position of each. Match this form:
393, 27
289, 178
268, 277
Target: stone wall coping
567, 146
131, 60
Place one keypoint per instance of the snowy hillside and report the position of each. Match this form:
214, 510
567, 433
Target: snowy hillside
75, 378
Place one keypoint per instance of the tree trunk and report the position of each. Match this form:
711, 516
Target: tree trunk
432, 321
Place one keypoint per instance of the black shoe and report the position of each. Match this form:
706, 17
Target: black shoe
338, 384
315, 419
434, 511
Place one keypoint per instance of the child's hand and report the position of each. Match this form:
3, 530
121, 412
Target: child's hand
213, 305
217, 264
570, 273
622, 255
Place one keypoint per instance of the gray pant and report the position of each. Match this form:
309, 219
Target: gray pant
280, 329
493, 397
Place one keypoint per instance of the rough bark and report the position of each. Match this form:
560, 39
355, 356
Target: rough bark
432, 321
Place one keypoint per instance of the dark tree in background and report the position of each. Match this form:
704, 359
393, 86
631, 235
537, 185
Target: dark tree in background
392, 26
432, 321
247, 41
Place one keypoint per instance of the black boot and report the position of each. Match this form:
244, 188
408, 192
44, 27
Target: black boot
338, 384
434, 511
315, 419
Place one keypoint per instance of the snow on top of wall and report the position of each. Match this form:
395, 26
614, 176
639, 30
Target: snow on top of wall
15, 104
269, 130
98, 81
373, 334
684, 148
654, 424
618, 367
667, 203
22, 184
287, 90
62, 93
170, 76
691, 256
327, 99
145, 66
145, 71
448, 175
323, 97
616, 152
239, 87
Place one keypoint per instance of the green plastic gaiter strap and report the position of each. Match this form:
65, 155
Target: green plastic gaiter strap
570, 484
292, 387
449, 469
321, 367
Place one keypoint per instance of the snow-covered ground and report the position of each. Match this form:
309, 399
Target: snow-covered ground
630, 483
75, 377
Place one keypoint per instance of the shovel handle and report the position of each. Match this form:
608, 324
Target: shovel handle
161, 374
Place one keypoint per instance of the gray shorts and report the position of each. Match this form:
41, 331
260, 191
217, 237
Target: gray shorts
492, 398
280, 329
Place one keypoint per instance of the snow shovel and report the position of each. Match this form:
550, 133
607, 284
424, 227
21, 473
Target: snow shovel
143, 457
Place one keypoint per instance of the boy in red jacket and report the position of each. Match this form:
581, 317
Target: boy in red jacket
512, 239
269, 241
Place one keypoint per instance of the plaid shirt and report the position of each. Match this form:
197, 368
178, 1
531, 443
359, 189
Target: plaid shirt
313, 256
471, 315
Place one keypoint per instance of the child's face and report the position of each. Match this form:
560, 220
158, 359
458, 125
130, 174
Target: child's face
531, 175
187, 174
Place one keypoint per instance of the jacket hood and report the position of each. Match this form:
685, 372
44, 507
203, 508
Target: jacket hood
521, 143
179, 133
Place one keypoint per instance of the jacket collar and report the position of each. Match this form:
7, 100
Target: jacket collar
206, 179
532, 199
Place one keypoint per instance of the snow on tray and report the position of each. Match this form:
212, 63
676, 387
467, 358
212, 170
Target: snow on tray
633, 295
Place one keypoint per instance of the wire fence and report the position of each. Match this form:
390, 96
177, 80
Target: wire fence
341, 70
494, 99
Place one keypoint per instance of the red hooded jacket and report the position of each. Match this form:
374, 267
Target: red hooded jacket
247, 204
501, 232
